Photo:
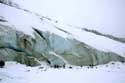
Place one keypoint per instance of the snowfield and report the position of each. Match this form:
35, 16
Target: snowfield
13, 72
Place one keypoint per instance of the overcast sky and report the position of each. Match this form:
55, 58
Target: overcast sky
103, 15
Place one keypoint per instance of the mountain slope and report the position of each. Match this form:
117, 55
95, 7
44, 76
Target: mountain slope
44, 39
122, 40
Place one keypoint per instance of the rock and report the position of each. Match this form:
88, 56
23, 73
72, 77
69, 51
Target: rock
2, 63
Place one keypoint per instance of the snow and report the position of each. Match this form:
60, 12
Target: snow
59, 56
24, 21
113, 72
106, 16
17, 73
91, 39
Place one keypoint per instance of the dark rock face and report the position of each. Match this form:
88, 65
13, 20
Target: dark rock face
2, 63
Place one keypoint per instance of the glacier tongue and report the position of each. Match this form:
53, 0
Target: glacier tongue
50, 48
44, 39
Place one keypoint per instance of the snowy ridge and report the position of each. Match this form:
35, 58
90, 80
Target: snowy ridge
25, 21
92, 39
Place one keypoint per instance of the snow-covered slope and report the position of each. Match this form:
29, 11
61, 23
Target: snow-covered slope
53, 41
33, 39
16, 73
24, 21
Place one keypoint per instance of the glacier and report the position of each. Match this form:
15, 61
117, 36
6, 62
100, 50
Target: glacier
44, 38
